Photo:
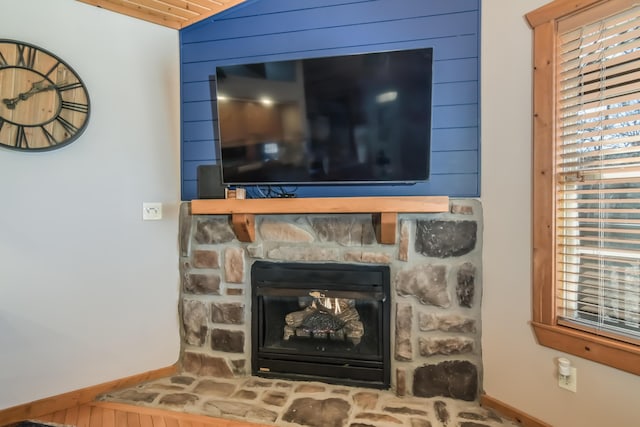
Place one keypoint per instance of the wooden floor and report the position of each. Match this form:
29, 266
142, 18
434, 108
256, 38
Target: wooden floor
108, 414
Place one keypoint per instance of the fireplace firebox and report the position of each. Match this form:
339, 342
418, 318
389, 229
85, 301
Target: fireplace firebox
325, 322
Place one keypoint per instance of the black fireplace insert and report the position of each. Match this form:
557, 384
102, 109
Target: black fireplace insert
325, 322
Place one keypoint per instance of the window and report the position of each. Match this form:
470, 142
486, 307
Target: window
586, 184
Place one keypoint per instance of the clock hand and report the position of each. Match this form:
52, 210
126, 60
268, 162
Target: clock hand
36, 87
10, 103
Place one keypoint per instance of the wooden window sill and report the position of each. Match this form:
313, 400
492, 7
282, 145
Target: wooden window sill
611, 352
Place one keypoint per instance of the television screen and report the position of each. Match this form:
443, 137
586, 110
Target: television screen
362, 118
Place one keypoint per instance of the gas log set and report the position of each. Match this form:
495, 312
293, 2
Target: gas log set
332, 318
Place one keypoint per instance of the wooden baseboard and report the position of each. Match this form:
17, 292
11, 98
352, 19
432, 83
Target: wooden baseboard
77, 397
510, 412
184, 418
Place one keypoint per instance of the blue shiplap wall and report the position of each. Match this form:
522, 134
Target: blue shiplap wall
260, 30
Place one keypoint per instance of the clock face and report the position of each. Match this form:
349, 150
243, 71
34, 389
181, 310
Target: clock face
43, 103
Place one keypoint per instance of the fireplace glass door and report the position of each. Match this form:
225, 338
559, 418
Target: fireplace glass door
326, 322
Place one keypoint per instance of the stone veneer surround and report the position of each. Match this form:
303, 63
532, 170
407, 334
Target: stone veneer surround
435, 277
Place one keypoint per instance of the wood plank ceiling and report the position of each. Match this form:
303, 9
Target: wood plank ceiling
169, 13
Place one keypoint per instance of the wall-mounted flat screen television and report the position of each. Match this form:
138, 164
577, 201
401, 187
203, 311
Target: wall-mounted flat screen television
362, 118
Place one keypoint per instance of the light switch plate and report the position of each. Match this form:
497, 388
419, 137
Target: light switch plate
151, 211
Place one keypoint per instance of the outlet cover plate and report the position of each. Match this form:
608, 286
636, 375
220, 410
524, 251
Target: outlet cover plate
571, 383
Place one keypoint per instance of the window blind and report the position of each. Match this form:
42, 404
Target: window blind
597, 215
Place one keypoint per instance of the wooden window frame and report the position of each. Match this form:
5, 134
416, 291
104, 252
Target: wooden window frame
608, 351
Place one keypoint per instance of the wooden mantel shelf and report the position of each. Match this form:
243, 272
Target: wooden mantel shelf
385, 210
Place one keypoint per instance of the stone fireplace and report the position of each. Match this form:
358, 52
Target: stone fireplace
321, 322
433, 319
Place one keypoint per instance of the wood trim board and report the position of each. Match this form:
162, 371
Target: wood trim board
51, 404
509, 411
110, 414
405, 204
176, 14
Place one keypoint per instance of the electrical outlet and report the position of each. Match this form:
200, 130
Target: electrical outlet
151, 211
569, 382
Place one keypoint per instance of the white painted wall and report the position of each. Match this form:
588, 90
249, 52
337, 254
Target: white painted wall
517, 371
88, 291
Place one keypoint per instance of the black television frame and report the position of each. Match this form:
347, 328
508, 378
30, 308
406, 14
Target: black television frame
259, 66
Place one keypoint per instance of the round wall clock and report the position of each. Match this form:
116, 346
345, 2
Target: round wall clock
43, 103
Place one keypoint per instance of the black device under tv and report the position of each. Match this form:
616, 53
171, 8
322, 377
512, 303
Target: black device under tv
209, 182
362, 118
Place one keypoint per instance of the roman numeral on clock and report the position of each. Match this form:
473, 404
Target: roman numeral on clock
26, 56
75, 106
3, 61
21, 138
68, 126
69, 86
52, 69
50, 139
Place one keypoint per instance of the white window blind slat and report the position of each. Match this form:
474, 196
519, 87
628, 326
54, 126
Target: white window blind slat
599, 49
597, 19
598, 176
616, 65
628, 109
590, 67
570, 146
596, 268
591, 90
580, 105
570, 197
614, 153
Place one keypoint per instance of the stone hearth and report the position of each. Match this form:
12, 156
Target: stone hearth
295, 404
435, 289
